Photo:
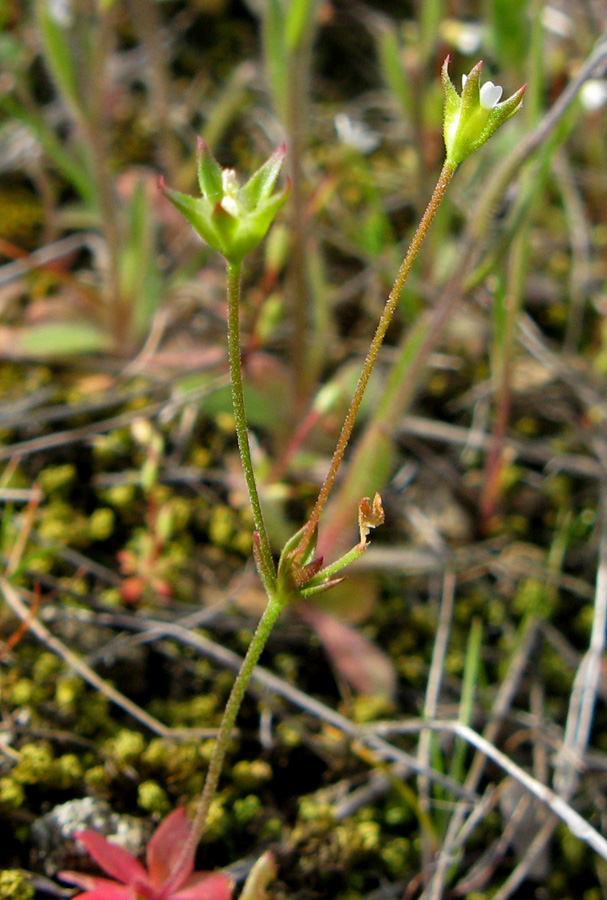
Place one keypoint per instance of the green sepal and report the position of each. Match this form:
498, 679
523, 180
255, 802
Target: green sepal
261, 183
209, 172
198, 211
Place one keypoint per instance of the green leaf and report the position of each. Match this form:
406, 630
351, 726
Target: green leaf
57, 55
139, 273
209, 172
64, 339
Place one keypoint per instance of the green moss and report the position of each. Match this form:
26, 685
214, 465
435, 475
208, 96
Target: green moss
35, 764
397, 813
120, 496
152, 797
68, 691
101, 524
22, 216
251, 775
126, 747
359, 837
221, 526
272, 828
61, 523
14, 886
181, 766
23, 692
12, 795
218, 822
246, 808
370, 708
66, 771
97, 779
574, 851
395, 855
55, 479
94, 714
157, 753
313, 809
46, 667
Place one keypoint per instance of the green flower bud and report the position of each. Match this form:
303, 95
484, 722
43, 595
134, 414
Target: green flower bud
471, 119
230, 218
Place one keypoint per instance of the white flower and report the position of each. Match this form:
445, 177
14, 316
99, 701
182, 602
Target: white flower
593, 94
229, 183
490, 93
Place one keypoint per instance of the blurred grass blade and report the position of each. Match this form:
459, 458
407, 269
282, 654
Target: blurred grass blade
510, 31
500, 321
430, 15
57, 55
393, 70
276, 54
73, 172
299, 13
472, 668
139, 274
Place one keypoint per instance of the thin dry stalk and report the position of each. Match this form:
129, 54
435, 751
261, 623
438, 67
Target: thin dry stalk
435, 678
570, 761
270, 683
71, 659
520, 873
578, 826
502, 704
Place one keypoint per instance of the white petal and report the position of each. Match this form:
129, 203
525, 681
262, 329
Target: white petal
490, 94
230, 205
229, 181
464, 80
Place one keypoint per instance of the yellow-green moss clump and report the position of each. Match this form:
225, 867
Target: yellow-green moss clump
14, 886
37, 765
152, 797
12, 795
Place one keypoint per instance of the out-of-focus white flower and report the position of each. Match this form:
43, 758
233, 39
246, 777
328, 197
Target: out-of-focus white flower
61, 11
593, 94
355, 134
464, 36
556, 21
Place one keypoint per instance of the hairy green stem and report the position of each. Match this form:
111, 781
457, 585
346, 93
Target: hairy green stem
276, 601
442, 184
264, 558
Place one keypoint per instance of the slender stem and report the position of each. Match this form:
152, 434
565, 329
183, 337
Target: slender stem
258, 642
265, 561
445, 177
276, 601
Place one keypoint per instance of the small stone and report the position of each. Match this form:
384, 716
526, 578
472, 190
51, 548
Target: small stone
53, 833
